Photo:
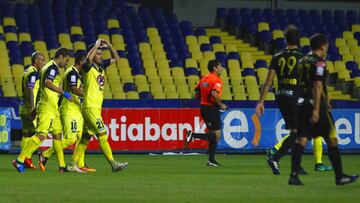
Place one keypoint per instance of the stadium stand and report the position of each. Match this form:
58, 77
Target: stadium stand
162, 58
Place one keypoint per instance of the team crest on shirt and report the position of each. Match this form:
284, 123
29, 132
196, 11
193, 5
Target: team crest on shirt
101, 80
320, 65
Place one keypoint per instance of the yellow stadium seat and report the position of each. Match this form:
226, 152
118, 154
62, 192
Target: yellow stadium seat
239, 92
180, 80
123, 63
172, 95
203, 39
344, 50
191, 63
352, 42
277, 34
330, 66
167, 81
355, 28
339, 65
262, 74
144, 47
156, 87
263, 26
182, 88
24, 37
143, 87
355, 50
113, 23
79, 46
52, 53
270, 96
104, 36
152, 31
246, 56
27, 60
348, 35
117, 39
185, 95
76, 30
191, 39
194, 48
197, 55
159, 95
230, 48
344, 74
340, 42
209, 55
157, 47
9, 36
119, 95
159, 55
164, 73
147, 56
155, 40
177, 72
1, 29
9, 21
347, 57
162, 64
218, 47
127, 79
304, 41
132, 95
169, 88
119, 46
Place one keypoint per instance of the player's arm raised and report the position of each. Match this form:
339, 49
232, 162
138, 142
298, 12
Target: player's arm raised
91, 54
114, 55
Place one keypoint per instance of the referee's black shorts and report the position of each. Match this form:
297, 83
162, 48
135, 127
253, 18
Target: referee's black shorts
322, 128
211, 116
289, 110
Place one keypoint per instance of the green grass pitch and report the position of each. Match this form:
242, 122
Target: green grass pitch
172, 179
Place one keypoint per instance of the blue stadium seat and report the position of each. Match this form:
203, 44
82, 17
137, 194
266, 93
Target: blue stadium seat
26, 48
145, 95
265, 36
222, 56
177, 63
191, 71
234, 55
260, 64
206, 47
215, 39
200, 31
221, 13
129, 87
352, 66
305, 49
248, 71
280, 43
122, 54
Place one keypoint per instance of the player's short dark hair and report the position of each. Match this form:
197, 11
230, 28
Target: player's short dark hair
318, 40
213, 64
35, 56
80, 56
292, 35
61, 52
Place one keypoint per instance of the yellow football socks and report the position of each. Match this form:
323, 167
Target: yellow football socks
279, 144
65, 143
29, 148
318, 150
105, 148
58, 148
24, 141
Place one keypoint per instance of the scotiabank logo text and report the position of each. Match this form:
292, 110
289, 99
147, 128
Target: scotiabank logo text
148, 130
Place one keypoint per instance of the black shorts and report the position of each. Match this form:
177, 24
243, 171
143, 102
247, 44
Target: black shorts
322, 128
211, 116
289, 110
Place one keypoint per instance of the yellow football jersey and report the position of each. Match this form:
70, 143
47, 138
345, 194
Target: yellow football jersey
49, 99
30, 78
94, 80
71, 78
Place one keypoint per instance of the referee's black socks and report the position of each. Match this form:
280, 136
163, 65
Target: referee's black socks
334, 156
296, 159
203, 136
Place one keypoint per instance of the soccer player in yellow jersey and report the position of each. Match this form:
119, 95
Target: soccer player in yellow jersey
93, 78
70, 112
48, 117
30, 87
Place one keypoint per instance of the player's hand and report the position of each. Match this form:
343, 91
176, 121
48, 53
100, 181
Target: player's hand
329, 106
98, 42
259, 109
223, 106
315, 117
32, 115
